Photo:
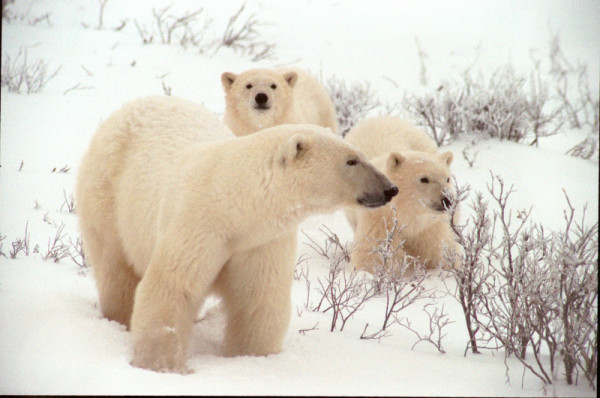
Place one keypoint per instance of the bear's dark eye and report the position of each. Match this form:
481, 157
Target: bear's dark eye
273, 86
248, 86
425, 180
352, 162
447, 180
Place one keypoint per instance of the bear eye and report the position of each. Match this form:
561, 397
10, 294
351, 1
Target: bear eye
248, 86
273, 86
352, 162
425, 180
447, 179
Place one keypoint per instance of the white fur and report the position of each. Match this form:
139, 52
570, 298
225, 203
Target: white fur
172, 206
297, 97
405, 155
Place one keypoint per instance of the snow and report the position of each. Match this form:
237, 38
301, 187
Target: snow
53, 339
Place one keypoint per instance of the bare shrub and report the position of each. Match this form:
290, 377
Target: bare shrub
343, 292
530, 291
245, 37
102, 5
190, 30
438, 320
57, 250
399, 279
470, 154
438, 113
68, 203
573, 255
580, 104
11, 15
474, 236
169, 25
186, 29
352, 103
76, 253
500, 107
2, 237
65, 169
22, 244
587, 148
18, 73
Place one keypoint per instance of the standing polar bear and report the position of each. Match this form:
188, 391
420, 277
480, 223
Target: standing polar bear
410, 159
261, 98
173, 207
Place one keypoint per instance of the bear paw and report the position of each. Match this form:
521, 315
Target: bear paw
161, 352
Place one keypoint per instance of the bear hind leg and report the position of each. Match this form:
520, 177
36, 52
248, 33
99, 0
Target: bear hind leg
116, 282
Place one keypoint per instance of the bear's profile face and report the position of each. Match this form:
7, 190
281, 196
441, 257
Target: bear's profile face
423, 180
262, 95
330, 173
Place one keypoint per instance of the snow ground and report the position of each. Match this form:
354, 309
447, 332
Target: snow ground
53, 339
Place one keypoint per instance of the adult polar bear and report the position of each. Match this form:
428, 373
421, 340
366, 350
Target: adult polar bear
168, 197
261, 98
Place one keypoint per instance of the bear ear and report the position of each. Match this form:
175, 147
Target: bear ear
447, 157
291, 78
294, 148
395, 160
227, 80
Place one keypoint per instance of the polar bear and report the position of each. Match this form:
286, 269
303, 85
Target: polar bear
416, 221
261, 98
173, 207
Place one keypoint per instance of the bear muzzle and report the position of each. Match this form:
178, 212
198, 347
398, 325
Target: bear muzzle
443, 205
372, 200
261, 101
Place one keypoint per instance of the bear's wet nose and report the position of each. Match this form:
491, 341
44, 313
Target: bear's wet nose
390, 192
261, 98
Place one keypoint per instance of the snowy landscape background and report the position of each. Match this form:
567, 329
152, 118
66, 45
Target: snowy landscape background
53, 339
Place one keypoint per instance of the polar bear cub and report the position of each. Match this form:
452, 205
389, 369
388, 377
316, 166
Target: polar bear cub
261, 98
172, 207
410, 159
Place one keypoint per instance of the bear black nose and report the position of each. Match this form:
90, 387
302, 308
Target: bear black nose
390, 192
446, 202
261, 98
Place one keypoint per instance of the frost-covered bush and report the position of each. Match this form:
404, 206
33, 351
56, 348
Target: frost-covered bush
191, 30
11, 13
352, 103
342, 291
20, 73
186, 29
530, 291
245, 37
505, 106
554, 96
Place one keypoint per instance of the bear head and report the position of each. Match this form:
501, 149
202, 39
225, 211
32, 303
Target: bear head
261, 97
325, 172
424, 183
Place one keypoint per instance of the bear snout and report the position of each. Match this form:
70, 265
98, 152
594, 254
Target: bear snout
444, 204
262, 100
369, 199
390, 192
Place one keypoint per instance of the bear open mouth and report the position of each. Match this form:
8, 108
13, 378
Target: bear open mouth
262, 107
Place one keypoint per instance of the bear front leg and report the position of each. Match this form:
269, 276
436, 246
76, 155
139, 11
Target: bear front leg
256, 290
166, 303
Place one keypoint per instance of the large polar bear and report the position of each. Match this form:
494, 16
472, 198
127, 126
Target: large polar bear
173, 207
261, 98
410, 159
